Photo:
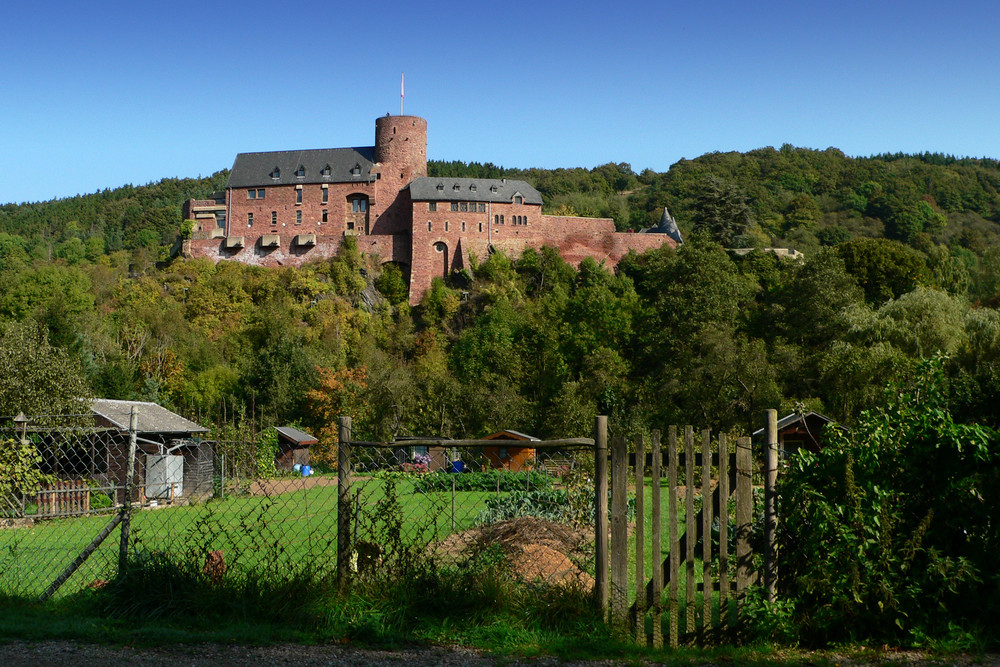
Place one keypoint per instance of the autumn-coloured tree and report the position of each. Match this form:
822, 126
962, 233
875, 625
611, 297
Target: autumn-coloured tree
338, 393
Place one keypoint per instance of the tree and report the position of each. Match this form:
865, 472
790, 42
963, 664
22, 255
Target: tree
721, 209
37, 378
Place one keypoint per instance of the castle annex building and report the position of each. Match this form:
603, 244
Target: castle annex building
289, 207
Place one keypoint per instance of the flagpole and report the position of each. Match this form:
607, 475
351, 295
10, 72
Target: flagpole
401, 94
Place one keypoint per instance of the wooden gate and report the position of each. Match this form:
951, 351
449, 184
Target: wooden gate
708, 542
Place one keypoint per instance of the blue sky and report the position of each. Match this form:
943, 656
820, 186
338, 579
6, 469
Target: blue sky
96, 95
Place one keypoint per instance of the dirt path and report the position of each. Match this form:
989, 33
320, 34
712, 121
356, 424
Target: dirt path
62, 653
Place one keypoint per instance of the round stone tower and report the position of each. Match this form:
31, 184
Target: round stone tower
401, 148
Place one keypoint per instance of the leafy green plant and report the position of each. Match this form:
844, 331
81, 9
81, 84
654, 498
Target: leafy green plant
889, 533
19, 472
486, 480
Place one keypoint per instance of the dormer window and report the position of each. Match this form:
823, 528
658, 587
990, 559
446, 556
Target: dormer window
518, 199
325, 171
356, 171
276, 174
493, 188
300, 172
440, 187
472, 187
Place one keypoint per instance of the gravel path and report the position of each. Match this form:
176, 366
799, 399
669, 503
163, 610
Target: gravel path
73, 654
67, 653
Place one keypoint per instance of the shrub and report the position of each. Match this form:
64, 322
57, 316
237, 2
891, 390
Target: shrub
486, 480
888, 534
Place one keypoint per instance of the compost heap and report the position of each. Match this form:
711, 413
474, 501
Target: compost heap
534, 549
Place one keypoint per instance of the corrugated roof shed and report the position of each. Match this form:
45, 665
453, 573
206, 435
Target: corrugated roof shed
153, 418
295, 435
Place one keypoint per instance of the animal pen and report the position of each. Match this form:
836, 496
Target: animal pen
663, 533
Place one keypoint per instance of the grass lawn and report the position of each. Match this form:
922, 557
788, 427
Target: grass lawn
293, 529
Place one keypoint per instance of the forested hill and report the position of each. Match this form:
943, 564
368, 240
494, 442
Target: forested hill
790, 196
793, 197
125, 218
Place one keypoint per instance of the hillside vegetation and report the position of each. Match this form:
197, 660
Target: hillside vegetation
902, 263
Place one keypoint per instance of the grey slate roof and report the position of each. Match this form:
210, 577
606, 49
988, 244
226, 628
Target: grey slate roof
667, 226
472, 189
153, 418
255, 169
295, 435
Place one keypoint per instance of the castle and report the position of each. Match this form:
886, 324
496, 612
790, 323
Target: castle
285, 208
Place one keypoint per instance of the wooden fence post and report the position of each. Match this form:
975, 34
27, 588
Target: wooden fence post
690, 529
657, 544
619, 532
723, 532
674, 543
706, 533
744, 523
640, 541
771, 507
344, 545
601, 512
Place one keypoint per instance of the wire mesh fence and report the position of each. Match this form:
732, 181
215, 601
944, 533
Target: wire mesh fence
71, 496
527, 504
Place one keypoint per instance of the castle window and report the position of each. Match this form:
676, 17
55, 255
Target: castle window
518, 199
300, 172
325, 215
298, 196
472, 187
456, 187
440, 247
493, 188
496, 219
445, 225
326, 196
249, 219
501, 218
432, 206
464, 207
274, 218
359, 204
429, 226
255, 193
480, 227
325, 171
276, 174
298, 217
454, 206
482, 207
440, 187
463, 226
350, 225
356, 171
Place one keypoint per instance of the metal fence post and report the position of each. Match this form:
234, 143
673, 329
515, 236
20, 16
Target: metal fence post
343, 500
601, 592
126, 511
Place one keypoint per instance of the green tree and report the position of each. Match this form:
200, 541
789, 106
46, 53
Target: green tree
37, 378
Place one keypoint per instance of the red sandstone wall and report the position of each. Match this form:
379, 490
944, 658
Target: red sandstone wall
575, 238
281, 199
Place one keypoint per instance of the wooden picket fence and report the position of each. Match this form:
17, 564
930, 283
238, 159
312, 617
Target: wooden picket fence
64, 497
724, 576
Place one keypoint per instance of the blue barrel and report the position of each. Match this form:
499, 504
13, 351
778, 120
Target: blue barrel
456, 466
306, 471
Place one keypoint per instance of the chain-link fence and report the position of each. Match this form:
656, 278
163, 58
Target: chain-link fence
513, 499
69, 494
70, 497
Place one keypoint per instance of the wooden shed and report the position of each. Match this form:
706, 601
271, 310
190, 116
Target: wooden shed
293, 447
172, 461
799, 430
511, 458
